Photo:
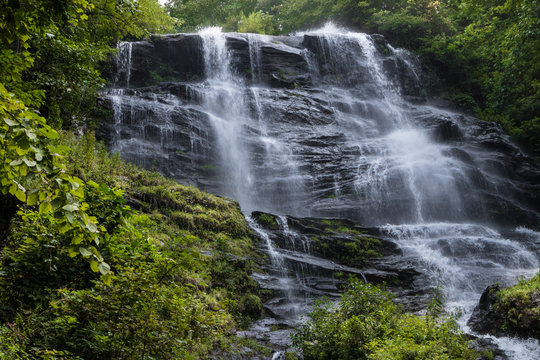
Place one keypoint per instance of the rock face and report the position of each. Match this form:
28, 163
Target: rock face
326, 114
485, 319
170, 57
324, 126
319, 255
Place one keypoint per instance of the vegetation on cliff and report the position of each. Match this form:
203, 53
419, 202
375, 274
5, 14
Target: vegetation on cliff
519, 308
513, 311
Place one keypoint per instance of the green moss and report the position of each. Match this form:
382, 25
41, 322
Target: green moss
339, 226
251, 305
349, 250
519, 308
267, 221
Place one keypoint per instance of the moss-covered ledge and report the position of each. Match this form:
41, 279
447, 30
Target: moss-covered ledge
513, 311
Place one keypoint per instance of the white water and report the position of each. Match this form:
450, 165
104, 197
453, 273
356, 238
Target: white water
123, 62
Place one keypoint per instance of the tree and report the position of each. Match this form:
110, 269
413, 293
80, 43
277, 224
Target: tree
256, 22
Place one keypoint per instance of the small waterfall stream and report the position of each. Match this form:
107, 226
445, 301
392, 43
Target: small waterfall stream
355, 143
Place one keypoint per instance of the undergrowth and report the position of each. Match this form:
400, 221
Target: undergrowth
367, 324
181, 262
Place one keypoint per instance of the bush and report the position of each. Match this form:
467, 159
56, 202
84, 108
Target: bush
257, 22
367, 324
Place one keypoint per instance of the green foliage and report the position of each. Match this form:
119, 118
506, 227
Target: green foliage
194, 14
267, 221
367, 324
32, 171
518, 308
301, 14
51, 52
176, 289
257, 22
155, 19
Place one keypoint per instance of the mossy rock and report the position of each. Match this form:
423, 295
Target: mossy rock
267, 221
513, 311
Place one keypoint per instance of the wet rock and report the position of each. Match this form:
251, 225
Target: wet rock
322, 253
284, 65
484, 319
381, 44
447, 131
488, 349
240, 56
400, 72
166, 58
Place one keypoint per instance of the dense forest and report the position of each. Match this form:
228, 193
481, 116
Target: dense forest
102, 260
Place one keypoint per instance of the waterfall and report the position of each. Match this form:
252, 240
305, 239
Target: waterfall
123, 62
225, 103
333, 124
255, 42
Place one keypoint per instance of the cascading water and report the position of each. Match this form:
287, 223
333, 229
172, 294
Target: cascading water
123, 62
224, 102
330, 123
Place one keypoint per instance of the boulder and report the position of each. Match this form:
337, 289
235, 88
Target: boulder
485, 320
518, 317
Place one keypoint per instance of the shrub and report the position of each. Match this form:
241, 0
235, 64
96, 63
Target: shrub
367, 324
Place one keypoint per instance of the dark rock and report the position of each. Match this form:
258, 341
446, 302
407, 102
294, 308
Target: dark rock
484, 319
240, 56
381, 44
166, 58
284, 66
487, 349
400, 72
447, 131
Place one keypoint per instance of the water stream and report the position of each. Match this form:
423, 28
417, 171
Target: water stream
351, 145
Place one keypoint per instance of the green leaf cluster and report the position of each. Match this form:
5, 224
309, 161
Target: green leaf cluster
32, 171
256, 22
